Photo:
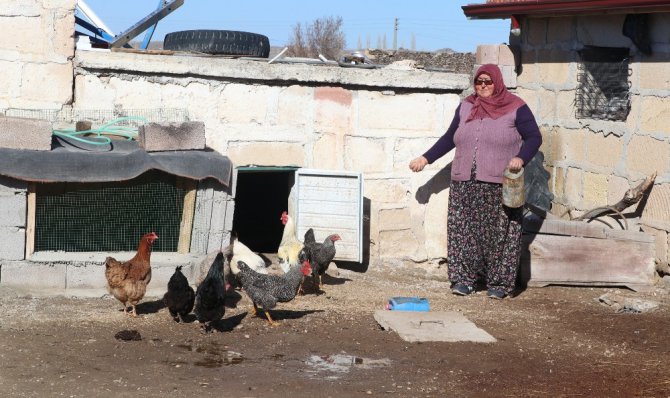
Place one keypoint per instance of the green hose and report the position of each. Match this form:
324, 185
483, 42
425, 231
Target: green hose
103, 132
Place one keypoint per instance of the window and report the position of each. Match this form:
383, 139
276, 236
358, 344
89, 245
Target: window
603, 90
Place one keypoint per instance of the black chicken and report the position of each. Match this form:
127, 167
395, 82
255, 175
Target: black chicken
266, 291
309, 237
179, 297
320, 255
210, 297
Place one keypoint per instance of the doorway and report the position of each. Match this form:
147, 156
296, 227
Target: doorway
260, 198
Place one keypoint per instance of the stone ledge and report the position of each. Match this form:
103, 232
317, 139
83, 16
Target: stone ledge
70, 272
245, 69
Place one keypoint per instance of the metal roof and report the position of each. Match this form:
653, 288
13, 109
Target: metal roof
500, 9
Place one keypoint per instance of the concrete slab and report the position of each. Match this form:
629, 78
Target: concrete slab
448, 326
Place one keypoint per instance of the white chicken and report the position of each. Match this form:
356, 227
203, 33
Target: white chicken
289, 249
241, 252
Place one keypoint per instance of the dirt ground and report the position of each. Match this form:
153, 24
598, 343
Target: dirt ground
551, 342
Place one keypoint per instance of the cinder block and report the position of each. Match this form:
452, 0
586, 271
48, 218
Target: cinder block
33, 275
230, 211
509, 75
86, 276
10, 186
509, 55
172, 136
24, 133
487, 54
12, 243
13, 211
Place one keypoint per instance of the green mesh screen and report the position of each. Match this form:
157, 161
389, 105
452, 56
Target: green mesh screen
93, 217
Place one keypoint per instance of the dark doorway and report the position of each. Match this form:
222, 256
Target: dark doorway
261, 196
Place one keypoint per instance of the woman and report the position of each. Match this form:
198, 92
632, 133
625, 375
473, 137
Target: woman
491, 130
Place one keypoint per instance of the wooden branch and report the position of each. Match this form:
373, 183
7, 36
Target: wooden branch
631, 197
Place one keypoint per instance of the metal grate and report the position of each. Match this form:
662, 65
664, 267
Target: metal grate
69, 116
603, 90
108, 217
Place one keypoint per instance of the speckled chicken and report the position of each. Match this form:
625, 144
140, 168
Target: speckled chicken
266, 291
179, 297
210, 297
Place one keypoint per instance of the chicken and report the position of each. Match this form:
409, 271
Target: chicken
268, 290
210, 297
127, 281
179, 297
241, 252
290, 246
320, 255
309, 237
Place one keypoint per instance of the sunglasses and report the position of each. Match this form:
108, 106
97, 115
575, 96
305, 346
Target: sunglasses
486, 82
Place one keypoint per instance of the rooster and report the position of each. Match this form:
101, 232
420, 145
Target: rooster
290, 246
267, 290
179, 297
210, 297
320, 255
127, 281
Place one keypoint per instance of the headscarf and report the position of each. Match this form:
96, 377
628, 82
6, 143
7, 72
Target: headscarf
501, 102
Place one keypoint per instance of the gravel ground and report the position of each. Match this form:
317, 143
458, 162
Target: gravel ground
551, 341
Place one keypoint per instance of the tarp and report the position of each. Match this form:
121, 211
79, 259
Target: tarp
118, 161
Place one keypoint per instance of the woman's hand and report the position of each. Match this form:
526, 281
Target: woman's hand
515, 165
417, 164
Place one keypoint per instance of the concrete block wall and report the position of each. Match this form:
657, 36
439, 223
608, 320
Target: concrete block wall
36, 50
507, 57
13, 203
213, 217
84, 273
593, 162
373, 121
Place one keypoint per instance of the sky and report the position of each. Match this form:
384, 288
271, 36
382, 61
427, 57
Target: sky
423, 25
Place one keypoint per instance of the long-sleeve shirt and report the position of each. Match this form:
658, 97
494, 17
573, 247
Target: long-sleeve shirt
524, 122
493, 143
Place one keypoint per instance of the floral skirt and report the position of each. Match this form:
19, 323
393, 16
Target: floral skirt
484, 237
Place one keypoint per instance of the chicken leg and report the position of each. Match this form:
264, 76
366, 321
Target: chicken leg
272, 323
254, 312
318, 286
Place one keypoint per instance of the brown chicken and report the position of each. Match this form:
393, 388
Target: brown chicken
127, 281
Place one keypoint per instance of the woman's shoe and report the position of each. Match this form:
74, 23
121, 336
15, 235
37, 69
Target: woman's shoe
496, 294
461, 289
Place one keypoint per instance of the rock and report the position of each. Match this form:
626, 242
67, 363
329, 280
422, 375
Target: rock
446, 60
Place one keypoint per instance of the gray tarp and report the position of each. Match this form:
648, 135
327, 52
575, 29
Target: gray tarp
123, 160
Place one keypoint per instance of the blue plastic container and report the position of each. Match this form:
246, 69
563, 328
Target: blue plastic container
408, 304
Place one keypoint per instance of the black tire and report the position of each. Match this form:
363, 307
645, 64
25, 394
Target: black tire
223, 42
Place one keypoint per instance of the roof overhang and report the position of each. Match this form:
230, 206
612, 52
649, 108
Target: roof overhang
501, 9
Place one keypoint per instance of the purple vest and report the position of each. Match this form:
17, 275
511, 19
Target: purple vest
493, 142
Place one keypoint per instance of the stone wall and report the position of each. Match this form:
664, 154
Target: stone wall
36, 50
289, 114
593, 162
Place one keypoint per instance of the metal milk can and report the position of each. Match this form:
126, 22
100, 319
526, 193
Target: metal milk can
512, 189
